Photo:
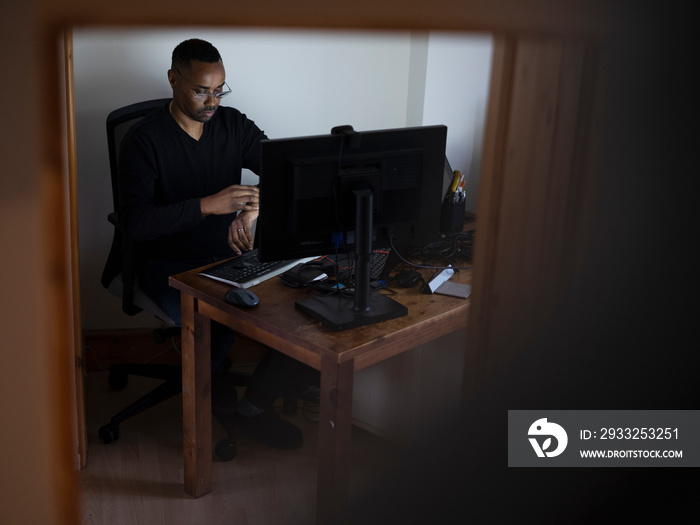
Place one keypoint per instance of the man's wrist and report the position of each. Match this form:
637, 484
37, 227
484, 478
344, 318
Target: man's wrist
204, 206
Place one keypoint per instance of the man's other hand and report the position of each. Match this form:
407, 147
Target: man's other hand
232, 199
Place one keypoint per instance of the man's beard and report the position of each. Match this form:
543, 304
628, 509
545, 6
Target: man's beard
202, 117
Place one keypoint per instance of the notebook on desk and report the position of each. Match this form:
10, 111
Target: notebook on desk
247, 270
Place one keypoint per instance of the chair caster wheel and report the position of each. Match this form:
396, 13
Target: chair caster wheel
226, 449
109, 433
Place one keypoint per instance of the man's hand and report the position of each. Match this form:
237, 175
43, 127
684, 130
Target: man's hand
232, 199
240, 236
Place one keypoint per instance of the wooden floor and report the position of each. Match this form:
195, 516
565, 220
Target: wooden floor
139, 478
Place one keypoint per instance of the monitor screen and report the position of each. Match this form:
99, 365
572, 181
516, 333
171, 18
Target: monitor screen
308, 186
351, 191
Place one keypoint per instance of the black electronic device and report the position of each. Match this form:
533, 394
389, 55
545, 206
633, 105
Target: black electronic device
241, 297
351, 191
408, 278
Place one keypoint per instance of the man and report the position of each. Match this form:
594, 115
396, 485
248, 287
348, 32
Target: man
182, 200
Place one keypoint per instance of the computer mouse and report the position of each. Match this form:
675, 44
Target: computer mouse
408, 278
242, 297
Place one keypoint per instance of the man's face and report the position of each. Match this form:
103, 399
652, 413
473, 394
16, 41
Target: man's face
194, 89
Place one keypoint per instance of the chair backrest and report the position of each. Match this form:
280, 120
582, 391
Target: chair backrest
119, 122
122, 253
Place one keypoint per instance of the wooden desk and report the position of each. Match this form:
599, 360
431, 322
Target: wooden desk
278, 324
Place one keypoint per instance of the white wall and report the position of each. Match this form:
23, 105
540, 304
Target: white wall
457, 83
291, 83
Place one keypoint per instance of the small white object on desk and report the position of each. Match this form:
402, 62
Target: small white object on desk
441, 284
439, 279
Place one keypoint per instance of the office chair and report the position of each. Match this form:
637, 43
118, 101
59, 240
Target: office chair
119, 277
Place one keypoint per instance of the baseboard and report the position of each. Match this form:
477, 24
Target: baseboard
103, 348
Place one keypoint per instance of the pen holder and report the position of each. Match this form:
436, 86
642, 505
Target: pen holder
452, 217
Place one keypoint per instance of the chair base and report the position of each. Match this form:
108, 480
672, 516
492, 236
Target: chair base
119, 378
224, 398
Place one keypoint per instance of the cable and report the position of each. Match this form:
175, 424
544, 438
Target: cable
428, 252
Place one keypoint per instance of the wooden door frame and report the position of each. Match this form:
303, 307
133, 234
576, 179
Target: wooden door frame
510, 23
538, 180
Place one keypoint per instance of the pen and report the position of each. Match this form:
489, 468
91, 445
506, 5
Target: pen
456, 179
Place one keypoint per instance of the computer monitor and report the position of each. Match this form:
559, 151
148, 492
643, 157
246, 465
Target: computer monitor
350, 191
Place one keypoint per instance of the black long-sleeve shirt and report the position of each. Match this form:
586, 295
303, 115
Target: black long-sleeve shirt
163, 174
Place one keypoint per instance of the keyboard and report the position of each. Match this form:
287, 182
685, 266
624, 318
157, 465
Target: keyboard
378, 264
247, 270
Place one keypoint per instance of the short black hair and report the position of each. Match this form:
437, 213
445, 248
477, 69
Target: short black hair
193, 49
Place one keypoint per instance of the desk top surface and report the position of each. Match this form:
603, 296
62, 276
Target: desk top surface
279, 324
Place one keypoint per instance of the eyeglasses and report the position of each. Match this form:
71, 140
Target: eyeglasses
204, 95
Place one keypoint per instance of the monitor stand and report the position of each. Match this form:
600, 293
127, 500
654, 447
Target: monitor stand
340, 312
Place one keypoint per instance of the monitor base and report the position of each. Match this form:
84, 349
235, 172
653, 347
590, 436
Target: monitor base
338, 313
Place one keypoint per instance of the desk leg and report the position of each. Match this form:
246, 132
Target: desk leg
334, 438
196, 399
